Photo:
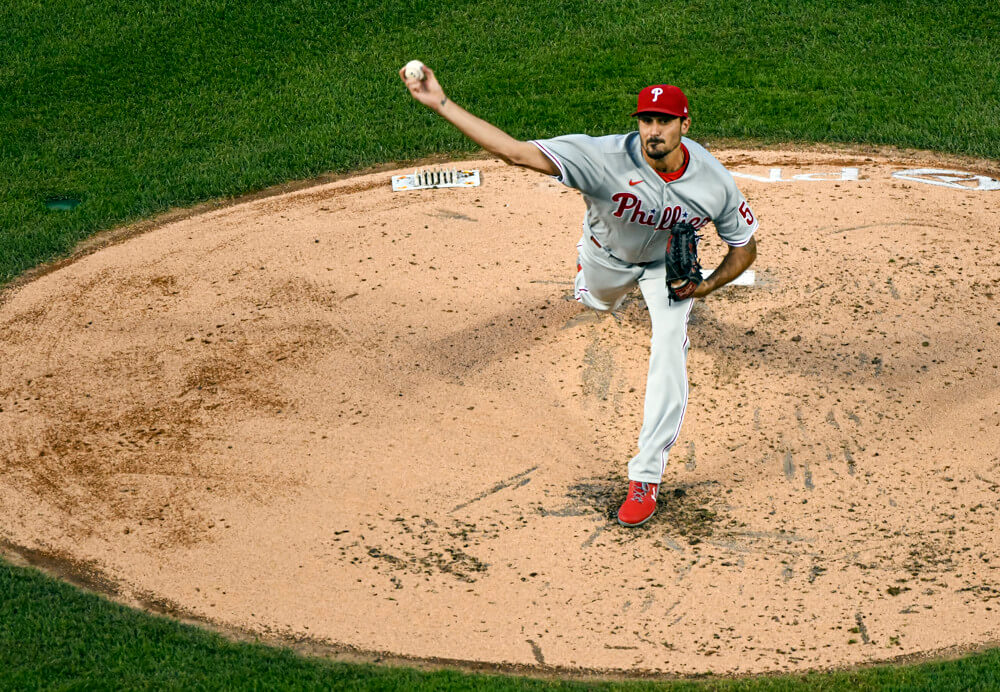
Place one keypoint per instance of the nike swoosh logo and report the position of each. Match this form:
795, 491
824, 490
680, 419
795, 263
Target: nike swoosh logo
634, 182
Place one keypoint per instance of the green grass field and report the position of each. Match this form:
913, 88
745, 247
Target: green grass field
139, 107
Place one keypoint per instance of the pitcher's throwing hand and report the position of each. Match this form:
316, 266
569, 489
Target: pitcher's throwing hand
426, 90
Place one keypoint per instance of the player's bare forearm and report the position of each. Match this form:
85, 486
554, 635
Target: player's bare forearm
496, 141
429, 92
736, 261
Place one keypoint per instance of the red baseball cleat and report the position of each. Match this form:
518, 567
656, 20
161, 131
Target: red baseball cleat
639, 505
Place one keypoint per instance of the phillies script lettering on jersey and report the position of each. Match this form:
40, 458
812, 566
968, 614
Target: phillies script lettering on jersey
629, 208
628, 202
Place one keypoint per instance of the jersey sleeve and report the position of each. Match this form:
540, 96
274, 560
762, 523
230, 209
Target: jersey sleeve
737, 222
578, 158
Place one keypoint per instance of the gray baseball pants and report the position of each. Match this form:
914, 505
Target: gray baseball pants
602, 282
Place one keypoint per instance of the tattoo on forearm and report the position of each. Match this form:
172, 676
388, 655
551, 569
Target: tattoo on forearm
444, 101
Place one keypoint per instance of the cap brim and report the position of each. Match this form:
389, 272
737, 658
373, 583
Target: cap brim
647, 110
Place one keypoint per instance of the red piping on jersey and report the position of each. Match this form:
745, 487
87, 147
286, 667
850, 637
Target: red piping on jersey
553, 158
671, 177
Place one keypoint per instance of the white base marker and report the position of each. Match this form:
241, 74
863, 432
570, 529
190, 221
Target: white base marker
745, 279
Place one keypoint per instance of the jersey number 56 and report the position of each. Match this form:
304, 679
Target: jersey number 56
746, 213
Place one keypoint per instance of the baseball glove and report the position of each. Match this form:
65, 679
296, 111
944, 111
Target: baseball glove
683, 270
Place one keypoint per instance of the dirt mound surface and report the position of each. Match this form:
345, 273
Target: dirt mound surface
378, 420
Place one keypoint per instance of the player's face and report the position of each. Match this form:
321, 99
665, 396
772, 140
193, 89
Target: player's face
661, 134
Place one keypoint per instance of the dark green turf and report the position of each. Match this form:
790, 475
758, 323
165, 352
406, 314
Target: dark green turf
137, 107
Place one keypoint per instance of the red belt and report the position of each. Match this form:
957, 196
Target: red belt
595, 242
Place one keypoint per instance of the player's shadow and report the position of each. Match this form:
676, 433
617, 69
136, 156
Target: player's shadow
496, 337
775, 339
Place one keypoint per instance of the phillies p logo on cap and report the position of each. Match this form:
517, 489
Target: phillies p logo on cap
662, 98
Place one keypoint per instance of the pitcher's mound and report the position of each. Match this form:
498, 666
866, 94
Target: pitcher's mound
378, 420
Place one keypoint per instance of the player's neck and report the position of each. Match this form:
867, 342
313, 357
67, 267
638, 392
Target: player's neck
670, 163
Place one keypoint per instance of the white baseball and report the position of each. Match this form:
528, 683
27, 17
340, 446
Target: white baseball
414, 70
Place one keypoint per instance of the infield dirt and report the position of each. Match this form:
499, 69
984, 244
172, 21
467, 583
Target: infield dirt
378, 420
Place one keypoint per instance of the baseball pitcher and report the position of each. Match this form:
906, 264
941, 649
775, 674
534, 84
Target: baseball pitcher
647, 194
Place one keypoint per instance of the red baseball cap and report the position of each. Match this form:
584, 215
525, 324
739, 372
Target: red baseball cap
662, 98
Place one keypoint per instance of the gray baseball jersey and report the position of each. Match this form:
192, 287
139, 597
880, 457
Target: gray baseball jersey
629, 206
629, 209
